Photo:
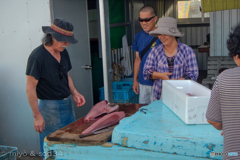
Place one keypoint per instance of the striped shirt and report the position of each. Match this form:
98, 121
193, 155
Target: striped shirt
224, 107
185, 65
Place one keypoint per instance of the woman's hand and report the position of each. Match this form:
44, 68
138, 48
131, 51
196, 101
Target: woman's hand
164, 76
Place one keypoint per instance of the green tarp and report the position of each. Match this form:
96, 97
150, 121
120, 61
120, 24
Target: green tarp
116, 15
218, 5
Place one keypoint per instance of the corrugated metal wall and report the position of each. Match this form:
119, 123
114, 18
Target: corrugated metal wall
169, 8
158, 5
221, 24
136, 6
196, 36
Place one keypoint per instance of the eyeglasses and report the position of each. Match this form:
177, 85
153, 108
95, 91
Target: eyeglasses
146, 19
61, 71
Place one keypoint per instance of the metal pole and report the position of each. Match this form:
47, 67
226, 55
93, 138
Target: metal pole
106, 49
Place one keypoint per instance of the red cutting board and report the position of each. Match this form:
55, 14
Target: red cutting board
71, 132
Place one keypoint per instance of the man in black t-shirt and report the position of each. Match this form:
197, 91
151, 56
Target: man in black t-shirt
48, 80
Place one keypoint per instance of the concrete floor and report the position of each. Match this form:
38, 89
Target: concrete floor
29, 158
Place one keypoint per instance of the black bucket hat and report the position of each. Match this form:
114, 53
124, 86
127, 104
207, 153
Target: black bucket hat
61, 30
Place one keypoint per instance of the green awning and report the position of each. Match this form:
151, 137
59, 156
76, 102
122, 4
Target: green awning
218, 5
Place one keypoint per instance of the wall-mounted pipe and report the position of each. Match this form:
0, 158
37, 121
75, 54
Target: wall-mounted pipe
106, 49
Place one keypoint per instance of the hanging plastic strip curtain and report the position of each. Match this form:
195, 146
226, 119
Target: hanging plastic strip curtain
218, 5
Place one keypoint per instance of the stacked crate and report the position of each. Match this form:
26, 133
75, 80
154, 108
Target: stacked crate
122, 92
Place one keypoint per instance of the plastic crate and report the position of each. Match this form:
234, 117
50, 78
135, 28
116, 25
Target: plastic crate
118, 94
8, 153
122, 85
134, 99
121, 91
127, 80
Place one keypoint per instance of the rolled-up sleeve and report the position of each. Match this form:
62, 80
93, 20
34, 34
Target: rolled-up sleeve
191, 67
149, 66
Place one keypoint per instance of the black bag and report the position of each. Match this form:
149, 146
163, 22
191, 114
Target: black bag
148, 46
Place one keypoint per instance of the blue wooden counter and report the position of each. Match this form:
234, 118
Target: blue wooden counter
157, 128
155, 133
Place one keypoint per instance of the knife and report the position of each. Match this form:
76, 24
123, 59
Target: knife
97, 132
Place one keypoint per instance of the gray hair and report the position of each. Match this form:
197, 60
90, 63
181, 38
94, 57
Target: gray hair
47, 40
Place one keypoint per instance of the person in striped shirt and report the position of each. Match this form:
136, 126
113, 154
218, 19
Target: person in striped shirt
223, 110
171, 59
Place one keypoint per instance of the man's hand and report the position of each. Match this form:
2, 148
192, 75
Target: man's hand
135, 87
79, 99
135, 73
39, 124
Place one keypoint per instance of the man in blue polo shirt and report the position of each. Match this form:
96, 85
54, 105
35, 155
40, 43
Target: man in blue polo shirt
143, 41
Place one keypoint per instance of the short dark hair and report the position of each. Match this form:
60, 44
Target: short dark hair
233, 42
148, 8
47, 40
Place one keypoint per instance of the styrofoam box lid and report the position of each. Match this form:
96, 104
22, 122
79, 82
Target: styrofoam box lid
189, 86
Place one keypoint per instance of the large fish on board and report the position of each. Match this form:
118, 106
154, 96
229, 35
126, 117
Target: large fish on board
99, 109
105, 121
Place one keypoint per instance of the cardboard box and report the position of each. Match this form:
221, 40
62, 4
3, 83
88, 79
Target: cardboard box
187, 99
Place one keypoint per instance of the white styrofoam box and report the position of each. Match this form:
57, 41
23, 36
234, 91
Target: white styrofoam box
190, 109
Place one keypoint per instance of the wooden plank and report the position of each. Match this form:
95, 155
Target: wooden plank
214, 65
225, 59
232, 63
213, 58
217, 57
222, 66
63, 136
209, 76
213, 62
208, 81
71, 132
218, 62
212, 71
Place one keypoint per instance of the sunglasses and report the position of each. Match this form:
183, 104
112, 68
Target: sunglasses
61, 71
146, 19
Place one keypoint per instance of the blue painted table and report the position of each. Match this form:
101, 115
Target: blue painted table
155, 133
